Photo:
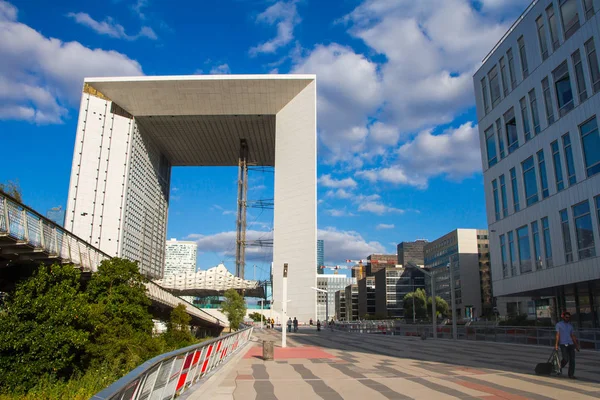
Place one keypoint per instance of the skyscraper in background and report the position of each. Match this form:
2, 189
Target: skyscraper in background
180, 257
320, 255
56, 215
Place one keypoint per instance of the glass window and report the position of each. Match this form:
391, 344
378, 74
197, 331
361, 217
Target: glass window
562, 84
534, 111
494, 86
523, 55
553, 27
542, 172
558, 174
571, 177
486, 104
500, 139
542, 37
511, 68
588, 7
510, 123
503, 196
525, 117
570, 17
566, 233
496, 200
584, 231
503, 255
503, 76
579, 76
590, 50
547, 242
524, 249
537, 253
515, 188
590, 140
548, 101
490, 141
531, 195
512, 253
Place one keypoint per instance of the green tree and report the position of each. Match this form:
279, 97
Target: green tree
234, 307
178, 332
256, 316
44, 329
122, 324
441, 307
12, 188
420, 301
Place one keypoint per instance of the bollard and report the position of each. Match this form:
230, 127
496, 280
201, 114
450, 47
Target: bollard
267, 350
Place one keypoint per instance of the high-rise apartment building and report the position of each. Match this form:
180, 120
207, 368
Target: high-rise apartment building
538, 108
411, 252
460, 251
320, 255
180, 257
331, 283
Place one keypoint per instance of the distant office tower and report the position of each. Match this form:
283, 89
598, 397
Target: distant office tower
460, 250
411, 252
391, 285
351, 302
320, 255
375, 262
340, 305
180, 257
331, 283
538, 104
56, 215
366, 296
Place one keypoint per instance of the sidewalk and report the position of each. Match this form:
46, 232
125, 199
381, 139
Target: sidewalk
336, 365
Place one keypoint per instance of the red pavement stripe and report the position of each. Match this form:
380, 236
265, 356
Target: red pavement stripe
496, 392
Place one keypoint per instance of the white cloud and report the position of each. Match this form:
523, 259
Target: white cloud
40, 76
385, 226
327, 181
372, 203
221, 69
109, 27
285, 15
342, 212
224, 243
343, 245
455, 153
138, 6
339, 194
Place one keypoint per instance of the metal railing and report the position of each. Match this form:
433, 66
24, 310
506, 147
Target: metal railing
588, 338
171, 374
28, 227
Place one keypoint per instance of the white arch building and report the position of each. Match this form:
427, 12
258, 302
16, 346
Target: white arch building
132, 130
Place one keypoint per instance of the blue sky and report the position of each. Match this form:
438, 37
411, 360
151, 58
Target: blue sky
399, 154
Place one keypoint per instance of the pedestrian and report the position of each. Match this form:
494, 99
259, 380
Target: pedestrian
318, 325
289, 324
272, 323
295, 325
566, 340
310, 322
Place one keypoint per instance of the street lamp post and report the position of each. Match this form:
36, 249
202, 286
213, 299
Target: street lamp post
326, 302
413, 300
453, 301
261, 313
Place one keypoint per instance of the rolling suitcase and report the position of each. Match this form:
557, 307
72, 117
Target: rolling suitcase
549, 367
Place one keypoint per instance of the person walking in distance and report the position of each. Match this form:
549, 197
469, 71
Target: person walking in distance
289, 324
295, 325
318, 325
566, 340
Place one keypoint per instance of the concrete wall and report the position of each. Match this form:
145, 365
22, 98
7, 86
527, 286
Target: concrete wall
295, 213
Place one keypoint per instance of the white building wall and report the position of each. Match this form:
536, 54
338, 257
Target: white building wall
295, 213
559, 272
98, 174
180, 257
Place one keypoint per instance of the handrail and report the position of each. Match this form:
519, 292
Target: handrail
170, 374
512, 28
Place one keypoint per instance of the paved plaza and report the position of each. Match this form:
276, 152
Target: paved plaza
337, 365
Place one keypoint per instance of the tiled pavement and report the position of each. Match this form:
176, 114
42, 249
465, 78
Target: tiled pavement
337, 365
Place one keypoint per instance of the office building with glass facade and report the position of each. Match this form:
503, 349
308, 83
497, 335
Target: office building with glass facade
332, 284
538, 105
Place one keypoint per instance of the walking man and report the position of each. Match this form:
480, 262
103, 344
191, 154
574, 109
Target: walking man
295, 325
566, 340
289, 324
